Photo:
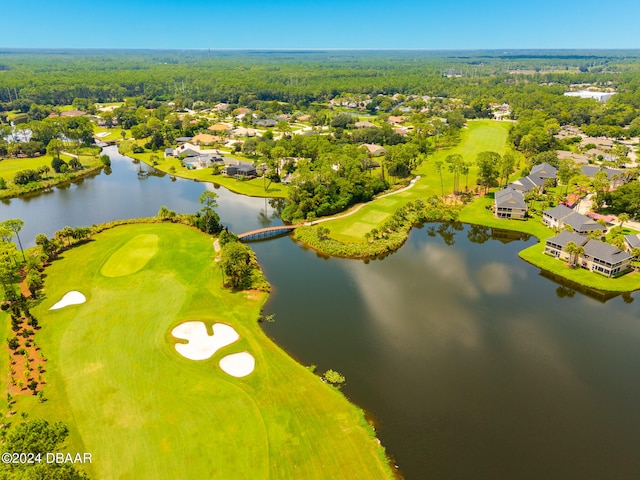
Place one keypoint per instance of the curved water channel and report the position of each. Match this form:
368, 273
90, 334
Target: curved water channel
471, 363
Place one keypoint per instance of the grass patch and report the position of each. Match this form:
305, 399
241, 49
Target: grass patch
144, 411
131, 257
10, 166
477, 213
256, 187
478, 137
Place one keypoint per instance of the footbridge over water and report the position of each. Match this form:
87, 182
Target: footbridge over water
267, 232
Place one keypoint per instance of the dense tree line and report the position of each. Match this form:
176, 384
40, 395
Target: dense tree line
241, 78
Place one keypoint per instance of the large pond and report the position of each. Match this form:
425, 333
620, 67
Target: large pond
130, 190
471, 364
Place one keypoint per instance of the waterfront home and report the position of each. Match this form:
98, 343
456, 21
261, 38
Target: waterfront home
605, 258
598, 256
240, 169
556, 246
560, 216
509, 203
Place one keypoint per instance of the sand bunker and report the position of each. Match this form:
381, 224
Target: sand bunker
70, 298
202, 345
238, 364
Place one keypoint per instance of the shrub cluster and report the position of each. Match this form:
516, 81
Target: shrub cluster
391, 235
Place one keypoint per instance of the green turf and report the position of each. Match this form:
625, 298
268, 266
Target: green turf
478, 137
144, 411
131, 257
478, 213
10, 166
256, 187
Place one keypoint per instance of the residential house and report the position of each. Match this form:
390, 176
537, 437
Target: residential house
373, 149
396, 120
220, 127
560, 216
544, 171
187, 150
632, 241
240, 169
556, 246
266, 123
204, 160
528, 184
576, 157
364, 124
204, 139
614, 175
605, 258
597, 257
509, 203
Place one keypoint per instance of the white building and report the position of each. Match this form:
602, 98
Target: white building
599, 96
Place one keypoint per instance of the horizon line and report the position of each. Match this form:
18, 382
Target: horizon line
321, 49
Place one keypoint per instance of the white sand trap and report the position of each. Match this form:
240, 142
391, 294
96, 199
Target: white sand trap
202, 345
70, 298
238, 364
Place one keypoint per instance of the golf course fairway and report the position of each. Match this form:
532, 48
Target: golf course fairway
145, 411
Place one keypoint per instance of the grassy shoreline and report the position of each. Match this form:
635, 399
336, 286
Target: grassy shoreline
347, 234
477, 213
106, 357
256, 187
8, 167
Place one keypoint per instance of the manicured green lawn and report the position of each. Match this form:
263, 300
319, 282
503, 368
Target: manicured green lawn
144, 411
478, 137
10, 166
252, 188
478, 213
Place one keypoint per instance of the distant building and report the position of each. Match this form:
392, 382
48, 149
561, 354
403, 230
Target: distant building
373, 149
599, 96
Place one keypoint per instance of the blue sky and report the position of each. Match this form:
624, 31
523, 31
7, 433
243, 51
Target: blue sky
279, 24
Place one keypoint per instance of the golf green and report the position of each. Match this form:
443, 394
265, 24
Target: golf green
145, 411
132, 256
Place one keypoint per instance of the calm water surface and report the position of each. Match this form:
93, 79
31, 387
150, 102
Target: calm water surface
125, 194
472, 364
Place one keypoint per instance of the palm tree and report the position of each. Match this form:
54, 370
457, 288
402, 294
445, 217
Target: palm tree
572, 249
16, 224
623, 217
439, 170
